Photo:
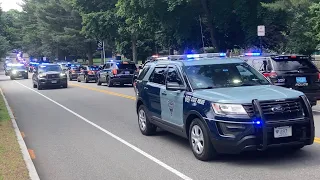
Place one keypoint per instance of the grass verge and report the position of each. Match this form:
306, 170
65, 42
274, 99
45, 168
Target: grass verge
12, 165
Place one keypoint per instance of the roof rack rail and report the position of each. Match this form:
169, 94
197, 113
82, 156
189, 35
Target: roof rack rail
191, 56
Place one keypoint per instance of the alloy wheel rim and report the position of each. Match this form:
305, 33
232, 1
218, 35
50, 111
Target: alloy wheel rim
197, 139
142, 120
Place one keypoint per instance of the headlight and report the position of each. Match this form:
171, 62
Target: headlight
62, 75
25, 71
41, 76
226, 109
14, 72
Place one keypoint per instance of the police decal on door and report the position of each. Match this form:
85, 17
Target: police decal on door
171, 106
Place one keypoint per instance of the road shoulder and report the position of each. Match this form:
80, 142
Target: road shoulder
20, 167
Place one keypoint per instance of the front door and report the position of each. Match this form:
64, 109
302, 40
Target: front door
172, 101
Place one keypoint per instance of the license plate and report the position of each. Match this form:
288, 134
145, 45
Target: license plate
20, 75
301, 81
285, 131
54, 81
127, 72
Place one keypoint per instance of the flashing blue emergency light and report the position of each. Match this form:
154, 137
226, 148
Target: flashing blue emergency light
257, 121
252, 54
193, 56
223, 54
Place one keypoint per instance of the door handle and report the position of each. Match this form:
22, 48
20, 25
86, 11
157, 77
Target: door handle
145, 88
164, 93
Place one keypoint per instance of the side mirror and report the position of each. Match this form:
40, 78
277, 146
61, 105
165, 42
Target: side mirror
174, 86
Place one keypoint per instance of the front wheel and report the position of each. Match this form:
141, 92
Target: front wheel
145, 126
11, 77
99, 82
40, 87
86, 79
65, 85
109, 81
200, 143
26, 77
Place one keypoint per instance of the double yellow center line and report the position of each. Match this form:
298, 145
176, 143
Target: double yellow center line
316, 139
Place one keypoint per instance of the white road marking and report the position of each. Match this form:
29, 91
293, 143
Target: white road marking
164, 165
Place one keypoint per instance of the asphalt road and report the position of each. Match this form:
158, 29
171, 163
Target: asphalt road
91, 132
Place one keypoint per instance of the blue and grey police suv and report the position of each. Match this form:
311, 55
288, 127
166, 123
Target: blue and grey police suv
221, 106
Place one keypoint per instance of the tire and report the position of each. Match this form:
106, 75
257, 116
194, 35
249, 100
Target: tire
78, 79
39, 87
70, 78
198, 128
65, 85
98, 82
145, 126
110, 83
11, 77
86, 79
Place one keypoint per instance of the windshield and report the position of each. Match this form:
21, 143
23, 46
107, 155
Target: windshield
304, 65
49, 68
224, 75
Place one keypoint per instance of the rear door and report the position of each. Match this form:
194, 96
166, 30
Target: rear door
153, 88
296, 72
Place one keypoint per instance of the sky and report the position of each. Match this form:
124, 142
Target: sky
10, 4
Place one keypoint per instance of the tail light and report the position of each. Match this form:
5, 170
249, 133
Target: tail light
114, 72
270, 75
319, 76
90, 72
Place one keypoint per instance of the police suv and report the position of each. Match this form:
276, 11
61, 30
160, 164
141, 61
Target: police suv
290, 71
222, 105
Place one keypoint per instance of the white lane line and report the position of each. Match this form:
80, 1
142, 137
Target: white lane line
164, 165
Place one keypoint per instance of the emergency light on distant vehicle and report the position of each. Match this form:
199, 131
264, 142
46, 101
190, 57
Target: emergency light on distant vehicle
252, 54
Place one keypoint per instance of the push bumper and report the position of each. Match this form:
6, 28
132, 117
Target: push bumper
52, 82
260, 137
313, 97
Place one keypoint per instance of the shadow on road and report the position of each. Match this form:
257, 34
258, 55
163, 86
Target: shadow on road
273, 158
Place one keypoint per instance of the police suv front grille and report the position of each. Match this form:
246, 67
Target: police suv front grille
52, 76
278, 110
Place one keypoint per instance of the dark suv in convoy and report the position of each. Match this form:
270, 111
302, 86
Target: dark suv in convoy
49, 75
221, 106
18, 71
291, 71
117, 72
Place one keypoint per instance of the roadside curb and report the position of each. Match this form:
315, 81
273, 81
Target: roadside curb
26, 156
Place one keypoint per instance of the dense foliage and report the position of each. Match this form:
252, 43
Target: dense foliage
140, 28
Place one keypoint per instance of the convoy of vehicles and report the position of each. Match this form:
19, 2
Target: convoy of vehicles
220, 105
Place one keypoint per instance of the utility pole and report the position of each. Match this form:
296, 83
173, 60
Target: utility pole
104, 53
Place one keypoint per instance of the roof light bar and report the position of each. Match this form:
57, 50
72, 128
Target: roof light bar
252, 54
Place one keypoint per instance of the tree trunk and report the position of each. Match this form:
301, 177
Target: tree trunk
90, 58
134, 50
210, 24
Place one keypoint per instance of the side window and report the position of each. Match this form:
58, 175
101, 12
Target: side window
258, 65
143, 72
158, 75
173, 76
107, 66
269, 66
